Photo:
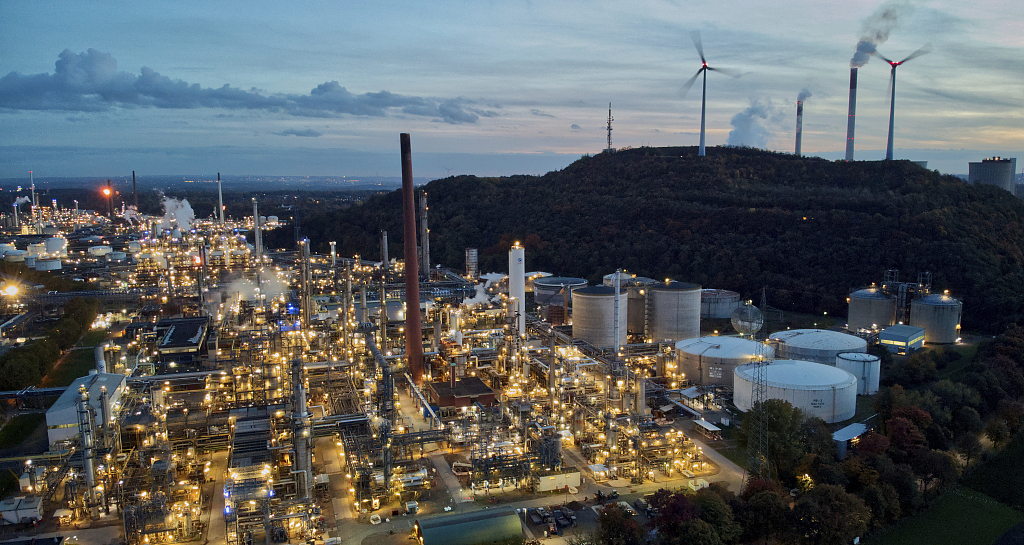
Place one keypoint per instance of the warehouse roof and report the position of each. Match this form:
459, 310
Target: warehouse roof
94, 384
182, 334
464, 387
480, 527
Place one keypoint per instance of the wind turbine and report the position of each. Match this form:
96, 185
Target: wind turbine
695, 36
892, 86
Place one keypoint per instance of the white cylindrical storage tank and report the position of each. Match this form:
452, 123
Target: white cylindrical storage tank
134, 246
712, 360
817, 345
674, 311
549, 290
824, 391
56, 246
30, 261
5, 247
939, 315
718, 303
117, 256
593, 316
870, 308
517, 283
15, 256
623, 278
36, 249
271, 219
866, 367
48, 264
99, 251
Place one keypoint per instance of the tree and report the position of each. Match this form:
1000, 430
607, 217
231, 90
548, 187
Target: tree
674, 509
765, 515
997, 431
615, 527
827, 514
785, 434
696, 532
883, 501
715, 511
969, 447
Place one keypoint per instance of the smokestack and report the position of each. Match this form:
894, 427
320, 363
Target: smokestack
135, 192
110, 200
799, 124
32, 205
17, 224
851, 119
517, 285
413, 325
257, 232
424, 238
220, 200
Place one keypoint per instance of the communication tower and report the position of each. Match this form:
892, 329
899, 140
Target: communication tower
748, 320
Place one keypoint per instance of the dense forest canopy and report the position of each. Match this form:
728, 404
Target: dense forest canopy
741, 219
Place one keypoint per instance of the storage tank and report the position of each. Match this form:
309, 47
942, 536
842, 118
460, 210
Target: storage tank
117, 256
870, 308
593, 317
99, 251
547, 290
56, 246
15, 256
271, 219
712, 360
39, 248
817, 345
866, 367
134, 246
48, 264
30, 261
939, 315
674, 311
824, 391
5, 247
622, 276
718, 303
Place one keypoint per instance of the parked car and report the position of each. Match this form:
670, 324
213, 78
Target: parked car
626, 508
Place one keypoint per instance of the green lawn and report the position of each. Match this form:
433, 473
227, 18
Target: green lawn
961, 517
736, 455
18, 428
93, 337
77, 364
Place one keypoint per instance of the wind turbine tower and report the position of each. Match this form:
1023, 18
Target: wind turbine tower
892, 86
695, 36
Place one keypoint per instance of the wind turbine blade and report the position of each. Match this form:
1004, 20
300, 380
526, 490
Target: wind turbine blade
727, 71
695, 36
883, 57
689, 83
927, 48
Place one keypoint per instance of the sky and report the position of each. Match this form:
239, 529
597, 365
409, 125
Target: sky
489, 88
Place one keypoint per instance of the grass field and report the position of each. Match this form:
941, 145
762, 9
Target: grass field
18, 428
961, 517
79, 361
1002, 477
92, 338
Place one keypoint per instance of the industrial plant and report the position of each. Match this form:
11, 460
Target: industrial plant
247, 395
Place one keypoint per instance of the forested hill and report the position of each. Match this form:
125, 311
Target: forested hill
739, 219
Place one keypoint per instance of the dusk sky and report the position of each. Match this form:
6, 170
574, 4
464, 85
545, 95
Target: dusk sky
488, 88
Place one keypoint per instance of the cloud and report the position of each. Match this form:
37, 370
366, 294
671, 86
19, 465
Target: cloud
539, 113
755, 125
90, 82
575, 127
296, 132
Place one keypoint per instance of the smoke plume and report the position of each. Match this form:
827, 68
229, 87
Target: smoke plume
177, 214
755, 125
131, 215
805, 94
21, 200
876, 29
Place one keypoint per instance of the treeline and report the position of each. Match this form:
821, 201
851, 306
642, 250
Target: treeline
25, 366
739, 219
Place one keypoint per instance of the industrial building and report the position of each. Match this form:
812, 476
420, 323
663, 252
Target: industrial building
998, 171
103, 393
902, 339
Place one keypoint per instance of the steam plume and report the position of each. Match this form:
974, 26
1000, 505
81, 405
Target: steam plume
805, 94
177, 213
755, 125
21, 200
